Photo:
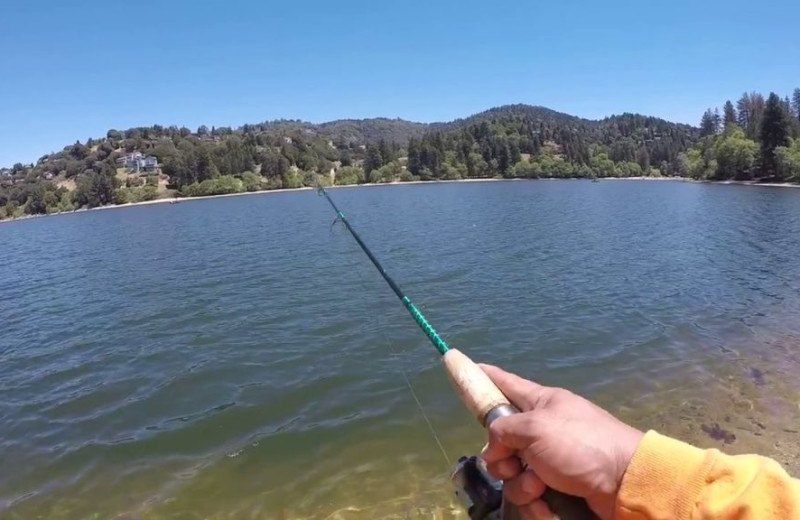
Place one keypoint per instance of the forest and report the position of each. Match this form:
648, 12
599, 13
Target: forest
753, 138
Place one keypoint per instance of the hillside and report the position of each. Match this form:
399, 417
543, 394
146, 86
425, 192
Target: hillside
352, 131
510, 141
518, 111
371, 131
530, 141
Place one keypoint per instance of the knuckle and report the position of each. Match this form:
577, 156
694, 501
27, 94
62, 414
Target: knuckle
494, 428
507, 469
523, 489
493, 470
499, 430
513, 492
559, 395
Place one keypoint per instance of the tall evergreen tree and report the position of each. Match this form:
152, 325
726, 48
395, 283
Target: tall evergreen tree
729, 114
774, 133
796, 103
373, 160
206, 169
386, 152
503, 158
414, 160
643, 158
751, 109
516, 155
743, 113
709, 123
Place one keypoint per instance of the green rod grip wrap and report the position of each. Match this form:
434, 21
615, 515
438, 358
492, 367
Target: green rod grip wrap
437, 341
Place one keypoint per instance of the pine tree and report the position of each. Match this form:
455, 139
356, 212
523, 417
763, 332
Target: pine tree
751, 109
535, 145
516, 155
643, 158
206, 169
373, 160
414, 160
709, 123
774, 133
730, 114
102, 191
431, 158
503, 158
796, 102
386, 152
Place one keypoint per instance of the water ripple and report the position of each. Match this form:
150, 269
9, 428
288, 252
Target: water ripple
238, 357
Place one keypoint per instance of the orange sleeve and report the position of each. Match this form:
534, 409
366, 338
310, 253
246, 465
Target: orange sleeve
670, 480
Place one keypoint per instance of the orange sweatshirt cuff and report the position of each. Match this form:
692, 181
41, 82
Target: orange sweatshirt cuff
663, 480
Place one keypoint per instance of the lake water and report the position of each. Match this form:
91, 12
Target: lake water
240, 358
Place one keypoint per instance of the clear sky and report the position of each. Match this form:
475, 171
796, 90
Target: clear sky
73, 71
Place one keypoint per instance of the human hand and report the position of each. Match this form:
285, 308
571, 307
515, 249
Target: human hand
567, 443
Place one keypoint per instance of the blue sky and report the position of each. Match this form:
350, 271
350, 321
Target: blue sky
73, 72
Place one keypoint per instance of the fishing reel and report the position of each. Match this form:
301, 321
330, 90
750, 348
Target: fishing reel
479, 493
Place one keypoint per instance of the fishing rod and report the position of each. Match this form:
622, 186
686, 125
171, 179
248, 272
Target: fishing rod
481, 397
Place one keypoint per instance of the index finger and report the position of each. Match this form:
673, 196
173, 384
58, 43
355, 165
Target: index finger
496, 451
522, 393
510, 435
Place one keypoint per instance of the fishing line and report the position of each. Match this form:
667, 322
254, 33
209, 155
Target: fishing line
398, 354
474, 387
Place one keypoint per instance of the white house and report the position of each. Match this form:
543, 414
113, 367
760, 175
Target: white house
137, 162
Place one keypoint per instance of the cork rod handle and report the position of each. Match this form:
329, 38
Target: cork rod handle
474, 388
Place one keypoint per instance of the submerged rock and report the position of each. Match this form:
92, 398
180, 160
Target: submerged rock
718, 433
758, 376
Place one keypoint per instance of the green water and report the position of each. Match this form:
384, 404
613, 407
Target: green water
240, 358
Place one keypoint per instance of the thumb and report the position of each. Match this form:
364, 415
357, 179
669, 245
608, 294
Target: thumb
522, 393
509, 435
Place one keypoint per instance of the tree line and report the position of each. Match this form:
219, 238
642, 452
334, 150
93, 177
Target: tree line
202, 162
521, 141
756, 137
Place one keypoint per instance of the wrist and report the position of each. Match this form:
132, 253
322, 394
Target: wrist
625, 444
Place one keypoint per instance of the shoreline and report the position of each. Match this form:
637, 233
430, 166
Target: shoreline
176, 200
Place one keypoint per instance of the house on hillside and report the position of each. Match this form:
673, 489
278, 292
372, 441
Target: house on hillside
137, 162
150, 164
128, 158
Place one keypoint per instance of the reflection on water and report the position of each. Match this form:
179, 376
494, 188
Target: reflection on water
237, 358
